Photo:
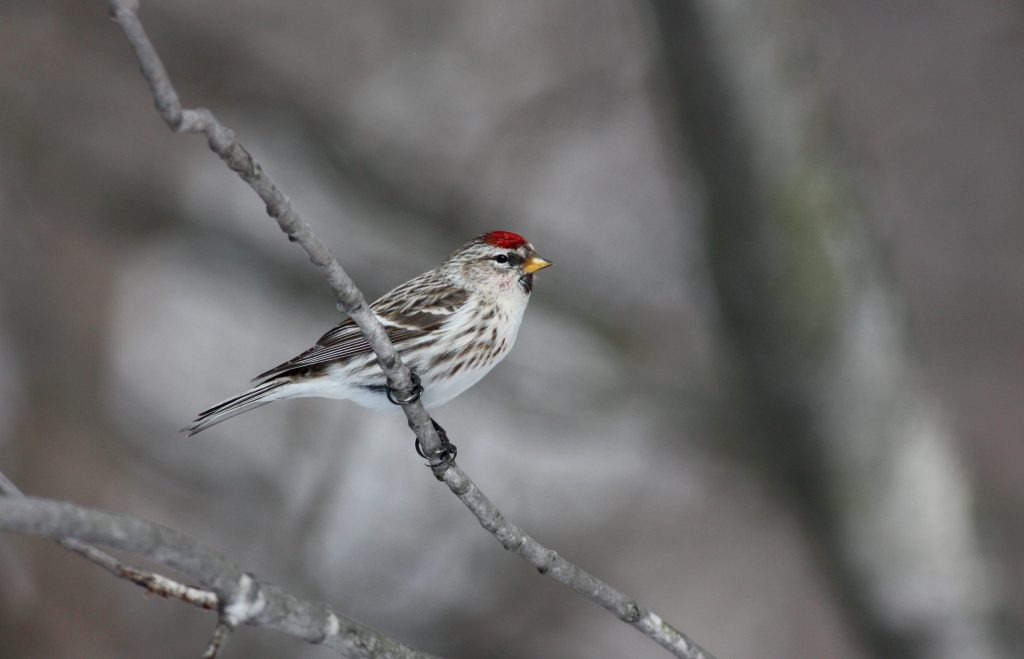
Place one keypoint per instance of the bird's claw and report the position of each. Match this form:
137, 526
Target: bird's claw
414, 393
444, 457
445, 454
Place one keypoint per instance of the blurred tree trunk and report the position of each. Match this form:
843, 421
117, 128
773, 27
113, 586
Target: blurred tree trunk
824, 383
57, 308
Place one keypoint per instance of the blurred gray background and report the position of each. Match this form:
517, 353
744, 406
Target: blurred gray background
772, 388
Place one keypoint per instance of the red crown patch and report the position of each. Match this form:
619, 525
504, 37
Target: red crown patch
504, 239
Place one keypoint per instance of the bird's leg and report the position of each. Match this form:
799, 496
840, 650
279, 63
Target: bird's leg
443, 457
414, 393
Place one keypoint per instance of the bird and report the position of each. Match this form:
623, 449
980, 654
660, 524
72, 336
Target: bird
451, 326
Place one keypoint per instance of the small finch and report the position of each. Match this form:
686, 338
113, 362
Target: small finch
451, 326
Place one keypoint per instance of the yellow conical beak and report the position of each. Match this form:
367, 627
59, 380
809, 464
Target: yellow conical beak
534, 264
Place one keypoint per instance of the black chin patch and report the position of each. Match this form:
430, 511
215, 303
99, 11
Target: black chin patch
526, 281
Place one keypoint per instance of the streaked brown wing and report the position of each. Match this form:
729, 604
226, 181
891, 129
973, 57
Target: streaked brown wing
342, 342
435, 304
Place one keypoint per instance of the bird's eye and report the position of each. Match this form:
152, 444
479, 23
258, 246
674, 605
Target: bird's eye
501, 258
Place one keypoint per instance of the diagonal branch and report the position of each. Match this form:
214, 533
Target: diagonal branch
222, 142
350, 300
547, 561
221, 635
246, 600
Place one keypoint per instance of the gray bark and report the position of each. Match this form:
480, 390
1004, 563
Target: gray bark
243, 598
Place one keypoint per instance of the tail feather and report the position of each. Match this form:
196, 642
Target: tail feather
258, 396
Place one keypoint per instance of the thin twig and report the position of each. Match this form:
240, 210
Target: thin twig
350, 300
154, 583
246, 600
221, 636
549, 562
164, 587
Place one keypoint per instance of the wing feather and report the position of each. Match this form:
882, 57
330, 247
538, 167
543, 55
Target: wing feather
433, 304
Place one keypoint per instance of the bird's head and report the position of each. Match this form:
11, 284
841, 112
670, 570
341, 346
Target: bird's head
498, 263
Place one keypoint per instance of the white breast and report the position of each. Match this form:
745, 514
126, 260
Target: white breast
476, 342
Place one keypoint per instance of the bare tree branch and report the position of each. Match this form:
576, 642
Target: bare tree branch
351, 301
220, 638
222, 142
154, 583
547, 561
244, 599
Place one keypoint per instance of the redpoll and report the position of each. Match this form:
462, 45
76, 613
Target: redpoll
451, 325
